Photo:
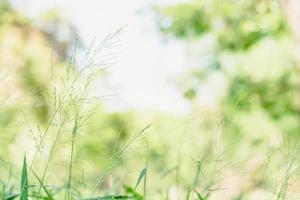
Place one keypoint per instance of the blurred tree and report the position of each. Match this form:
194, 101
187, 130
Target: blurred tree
242, 69
243, 33
28, 52
237, 24
292, 8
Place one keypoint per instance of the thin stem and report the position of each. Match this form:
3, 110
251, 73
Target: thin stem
52, 119
71, 166
49, 159
147, 160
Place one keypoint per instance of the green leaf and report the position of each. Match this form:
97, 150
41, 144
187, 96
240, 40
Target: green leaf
141, 176
24, 182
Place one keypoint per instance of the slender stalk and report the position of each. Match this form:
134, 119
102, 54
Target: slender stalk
178, 174
49, 159
89, 65
71, 166
147, 160
52, 119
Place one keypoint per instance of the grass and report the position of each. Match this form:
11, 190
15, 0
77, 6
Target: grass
71, 112
24, 182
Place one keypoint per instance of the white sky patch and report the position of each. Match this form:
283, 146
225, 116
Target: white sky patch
144, 76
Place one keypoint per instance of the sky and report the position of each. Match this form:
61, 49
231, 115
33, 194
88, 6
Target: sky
144, 77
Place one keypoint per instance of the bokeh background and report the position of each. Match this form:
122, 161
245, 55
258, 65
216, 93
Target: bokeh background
204, 94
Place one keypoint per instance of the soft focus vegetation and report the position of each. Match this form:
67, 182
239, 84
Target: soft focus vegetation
239, 142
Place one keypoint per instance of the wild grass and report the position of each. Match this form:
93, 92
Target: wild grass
71, 98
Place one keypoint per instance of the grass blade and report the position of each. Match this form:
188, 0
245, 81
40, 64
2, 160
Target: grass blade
141, 176
24, 182
111, 197
11, 197
188, 194
199, 195
49, 196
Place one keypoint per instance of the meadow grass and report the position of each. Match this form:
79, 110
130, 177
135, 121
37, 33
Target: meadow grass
71, 101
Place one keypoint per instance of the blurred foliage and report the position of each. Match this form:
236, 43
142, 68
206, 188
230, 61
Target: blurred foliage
37, 63
27, 58
243, 77
237, 24
248, 93
28, 55
250, 47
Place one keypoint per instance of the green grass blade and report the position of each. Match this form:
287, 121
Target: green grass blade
199, 195
133, 194
188, 194
11, 197
24, 182
49, 196
141, 176
111, 197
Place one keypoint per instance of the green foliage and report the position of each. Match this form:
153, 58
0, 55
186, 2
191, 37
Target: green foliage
36, 86
246, 46
246, 93
184, 20
259, 78
237, 24
4, 8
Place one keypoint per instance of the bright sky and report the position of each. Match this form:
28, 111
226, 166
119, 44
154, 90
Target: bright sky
144, 76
